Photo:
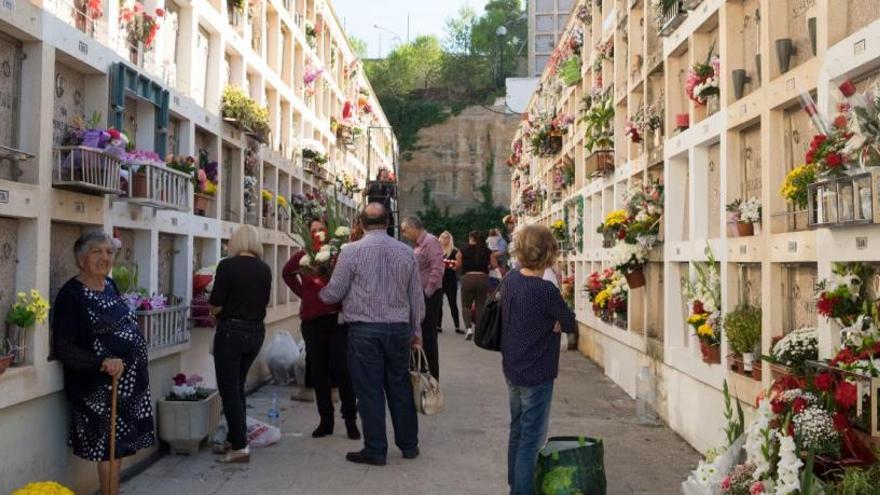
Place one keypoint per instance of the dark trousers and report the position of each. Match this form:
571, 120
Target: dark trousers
378, 358
236, 345
473, 292
326, 359
433, 312
450, 289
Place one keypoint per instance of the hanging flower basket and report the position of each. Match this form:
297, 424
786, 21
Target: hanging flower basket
635, 279
711, 353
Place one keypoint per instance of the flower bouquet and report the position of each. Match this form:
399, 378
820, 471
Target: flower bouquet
702, 79
29, 309
559, 229
516, 153
742, 217
632, 130
140, 27
864, 123
310, 78
630, 259
794, 187
843, 297
793, 351
43, 488
322, 247
566, 288
644, 208
614, 227
703, 295
608, 294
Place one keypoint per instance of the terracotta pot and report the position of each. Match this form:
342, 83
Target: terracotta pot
735, 363
604, 162
745, 229
635, 279
5, 362
139, 185
756, 370
682, 121
202, 203
711, 353
779, 371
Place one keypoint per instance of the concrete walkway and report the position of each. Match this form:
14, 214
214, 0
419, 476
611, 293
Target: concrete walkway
463, 449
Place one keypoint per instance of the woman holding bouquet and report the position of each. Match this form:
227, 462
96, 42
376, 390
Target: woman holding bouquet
326, 338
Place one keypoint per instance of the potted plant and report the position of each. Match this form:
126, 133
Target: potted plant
630, 260
7, 354
743, 329
560, 230
28, 310
703, 296
598, 121
188, 414
790, 353
742, 217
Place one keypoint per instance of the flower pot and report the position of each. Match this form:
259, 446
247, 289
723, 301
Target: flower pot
635, 279
185, 424
784, 50
5, 362
682, 121
757, 371
748, 359
202, 203
711, 353
735, 363
758, 66
779, 371
740, 79
605, 162
713, 104
139, 185
745, 229
811, 29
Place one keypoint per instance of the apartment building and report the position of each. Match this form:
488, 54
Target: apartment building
547, 19
159, 70
767, 56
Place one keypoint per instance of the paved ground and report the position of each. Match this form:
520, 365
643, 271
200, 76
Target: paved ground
463, 449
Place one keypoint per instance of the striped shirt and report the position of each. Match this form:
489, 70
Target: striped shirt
377, 281
530, 307
429, 255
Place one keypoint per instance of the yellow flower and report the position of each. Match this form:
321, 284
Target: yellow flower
210, 188
558, 225
705, 330
697, 319
616, 217
602, 298
267, 195
282, 201
43, 488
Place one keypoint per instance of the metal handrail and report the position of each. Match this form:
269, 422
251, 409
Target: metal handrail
165, 327
163, 187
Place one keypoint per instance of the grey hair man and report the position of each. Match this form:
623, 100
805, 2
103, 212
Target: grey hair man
377, 281
429, 255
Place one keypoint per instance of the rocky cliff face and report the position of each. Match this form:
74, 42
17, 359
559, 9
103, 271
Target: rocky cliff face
451, 158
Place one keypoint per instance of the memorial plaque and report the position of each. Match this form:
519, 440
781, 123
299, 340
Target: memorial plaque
798, 289
713, 168
860, 13
69, 93
166, 264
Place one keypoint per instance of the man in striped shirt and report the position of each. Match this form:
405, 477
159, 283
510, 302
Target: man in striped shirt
377, 281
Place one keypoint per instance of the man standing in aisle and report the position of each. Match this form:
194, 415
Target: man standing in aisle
429, 255
377, 281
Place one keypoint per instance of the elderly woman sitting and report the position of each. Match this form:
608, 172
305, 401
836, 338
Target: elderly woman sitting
96, 337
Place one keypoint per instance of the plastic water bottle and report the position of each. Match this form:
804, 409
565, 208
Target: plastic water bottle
645, 397
274, 413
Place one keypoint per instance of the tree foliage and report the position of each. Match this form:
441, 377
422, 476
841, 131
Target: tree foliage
359, 46
423, 82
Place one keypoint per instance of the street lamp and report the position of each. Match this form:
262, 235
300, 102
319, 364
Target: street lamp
392, 33
500, 33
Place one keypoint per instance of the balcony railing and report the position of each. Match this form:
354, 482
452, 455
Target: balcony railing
78, 14
158, 187
87, 170
672, 19
165, 327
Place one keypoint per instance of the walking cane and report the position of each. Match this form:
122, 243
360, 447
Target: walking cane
113, 394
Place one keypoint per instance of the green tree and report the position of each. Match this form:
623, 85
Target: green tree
511, 15
359, 46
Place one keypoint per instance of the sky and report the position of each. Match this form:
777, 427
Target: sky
425, 17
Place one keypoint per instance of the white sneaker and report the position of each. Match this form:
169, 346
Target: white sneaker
469, 335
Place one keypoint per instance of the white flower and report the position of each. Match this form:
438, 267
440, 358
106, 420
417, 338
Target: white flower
342, 231
320, 235
325, 247
323, 256
305, 261
788, 467
754, 446
624, 254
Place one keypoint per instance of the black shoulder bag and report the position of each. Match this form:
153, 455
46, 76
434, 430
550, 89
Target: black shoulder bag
487, 334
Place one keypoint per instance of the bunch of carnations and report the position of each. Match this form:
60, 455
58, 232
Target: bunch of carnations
828, 152
140, 26
632, 130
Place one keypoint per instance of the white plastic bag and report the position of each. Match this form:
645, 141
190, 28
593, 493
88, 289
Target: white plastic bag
260, 434
281, 356
299, 365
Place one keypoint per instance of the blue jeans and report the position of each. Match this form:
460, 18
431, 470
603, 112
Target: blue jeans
378, 360
529, 421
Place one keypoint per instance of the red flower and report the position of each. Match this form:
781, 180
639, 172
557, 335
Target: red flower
833, 159
817, 141
621, 234
846, 395
179, 379
845, 356
798, 405
698, 308
823, 381
840, 121
725, 483
756, 488
160, 12
114, 134
825, 305
778, 406
840, 422
809, 157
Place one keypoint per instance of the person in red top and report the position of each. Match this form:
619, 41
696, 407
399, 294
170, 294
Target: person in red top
326, 343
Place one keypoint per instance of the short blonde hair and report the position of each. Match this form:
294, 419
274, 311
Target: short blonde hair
535, 247
245, 239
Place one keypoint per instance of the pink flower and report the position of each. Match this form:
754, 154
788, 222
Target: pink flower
725, 483
179, 379
138, 7
160, 12
757, 487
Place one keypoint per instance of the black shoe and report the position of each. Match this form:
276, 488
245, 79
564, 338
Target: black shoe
351, 428
323, 430
459, 331
439, 330
411, 454
361, 458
